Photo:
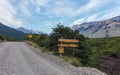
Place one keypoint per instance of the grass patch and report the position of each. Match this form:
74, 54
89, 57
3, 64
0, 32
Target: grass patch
32, 44
44, 49
72, 60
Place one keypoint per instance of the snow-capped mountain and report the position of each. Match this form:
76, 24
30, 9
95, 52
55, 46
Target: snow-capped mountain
28, 31
104, 28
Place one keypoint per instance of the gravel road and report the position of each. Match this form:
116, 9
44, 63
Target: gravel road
18, 58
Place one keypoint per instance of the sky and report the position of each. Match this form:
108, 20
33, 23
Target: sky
43, 15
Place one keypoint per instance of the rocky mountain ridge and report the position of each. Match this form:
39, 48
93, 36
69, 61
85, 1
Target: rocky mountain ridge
28, 31
96, 29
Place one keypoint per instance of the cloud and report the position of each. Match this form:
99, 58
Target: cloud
60, 8
79, 21
91, 18
100, 15
47, 13
23, 7
38, 4
82, 20
90, 5
69, 8
41, 2
110, 13
7, 13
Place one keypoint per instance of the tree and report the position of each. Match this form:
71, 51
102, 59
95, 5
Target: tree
61, 31
1, 37
42, 40
81, 52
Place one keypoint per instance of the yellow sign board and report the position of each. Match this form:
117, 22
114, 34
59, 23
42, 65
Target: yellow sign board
68, 45
30, 36
68, 40
61, 50
73, 45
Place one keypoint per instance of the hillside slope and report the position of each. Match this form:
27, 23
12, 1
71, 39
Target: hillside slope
96, 29
8, 31
105, 54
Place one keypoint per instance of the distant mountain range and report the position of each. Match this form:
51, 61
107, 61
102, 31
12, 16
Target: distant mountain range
19, 33
28, 31
11, 32
96, 29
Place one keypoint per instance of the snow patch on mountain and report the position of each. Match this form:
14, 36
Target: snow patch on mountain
28, 31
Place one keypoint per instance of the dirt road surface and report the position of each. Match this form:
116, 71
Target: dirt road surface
19, 58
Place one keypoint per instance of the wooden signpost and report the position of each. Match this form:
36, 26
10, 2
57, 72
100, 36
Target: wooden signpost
68, 45
61, 50
69, 40
72, 44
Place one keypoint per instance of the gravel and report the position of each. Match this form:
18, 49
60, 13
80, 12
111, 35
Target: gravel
90, 71
61, 62
18, 58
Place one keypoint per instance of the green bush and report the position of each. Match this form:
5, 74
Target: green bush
42, 40
74, 61
100, 47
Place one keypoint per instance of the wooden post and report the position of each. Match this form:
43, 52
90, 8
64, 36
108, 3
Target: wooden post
73, 51
61, 55
61, 47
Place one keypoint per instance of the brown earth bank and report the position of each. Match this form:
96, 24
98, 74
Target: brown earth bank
110, 64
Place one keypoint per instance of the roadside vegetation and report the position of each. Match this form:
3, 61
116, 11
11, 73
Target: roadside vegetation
32, 44
89, 50
6, 38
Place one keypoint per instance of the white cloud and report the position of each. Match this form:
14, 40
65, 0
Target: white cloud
79, 21
100, 16
110, 13
14, 14
23, 6
4, 4
39, 4
60, 8
92, 18
68, 8
38, 9
82, 20
92, 4
7, 14
42, 2
54, 9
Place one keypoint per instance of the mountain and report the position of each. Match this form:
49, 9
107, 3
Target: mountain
28, 31
11, 32
96, 29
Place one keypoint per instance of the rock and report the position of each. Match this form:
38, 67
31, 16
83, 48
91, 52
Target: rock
90, 71
110, 64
